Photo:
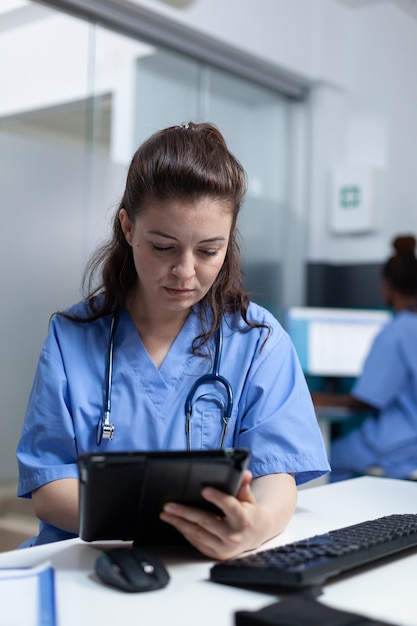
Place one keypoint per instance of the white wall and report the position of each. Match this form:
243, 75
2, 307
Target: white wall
362, 65
372, 123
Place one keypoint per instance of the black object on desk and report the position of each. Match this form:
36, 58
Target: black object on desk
314, 560
123, 493
131, 569
299, 610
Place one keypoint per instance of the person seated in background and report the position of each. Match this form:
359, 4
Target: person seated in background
169, 284
386, 441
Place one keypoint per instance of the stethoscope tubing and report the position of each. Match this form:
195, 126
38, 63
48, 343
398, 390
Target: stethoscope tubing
105, 428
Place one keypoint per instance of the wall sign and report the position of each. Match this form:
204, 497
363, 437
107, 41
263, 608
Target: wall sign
352, 199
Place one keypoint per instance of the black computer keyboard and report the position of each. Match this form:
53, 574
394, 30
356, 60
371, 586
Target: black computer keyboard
311, 561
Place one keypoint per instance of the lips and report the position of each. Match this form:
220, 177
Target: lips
179, 293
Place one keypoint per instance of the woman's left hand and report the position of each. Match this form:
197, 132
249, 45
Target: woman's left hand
248, 520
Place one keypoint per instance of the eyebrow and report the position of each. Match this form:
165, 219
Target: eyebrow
160, 233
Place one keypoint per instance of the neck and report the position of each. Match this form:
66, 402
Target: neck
153, 321
405, 303
157, 335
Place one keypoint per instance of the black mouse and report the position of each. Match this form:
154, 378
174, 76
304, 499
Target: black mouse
131, 569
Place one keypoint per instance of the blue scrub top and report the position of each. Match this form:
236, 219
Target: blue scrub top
389, 383
273, 414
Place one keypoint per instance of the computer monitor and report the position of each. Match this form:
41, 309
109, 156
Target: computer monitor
333, 342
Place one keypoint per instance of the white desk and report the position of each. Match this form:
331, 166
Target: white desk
387, 591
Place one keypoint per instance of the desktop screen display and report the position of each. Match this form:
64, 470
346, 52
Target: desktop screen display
333, 342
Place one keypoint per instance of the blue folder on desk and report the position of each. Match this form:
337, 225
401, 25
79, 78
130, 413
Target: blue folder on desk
28, 592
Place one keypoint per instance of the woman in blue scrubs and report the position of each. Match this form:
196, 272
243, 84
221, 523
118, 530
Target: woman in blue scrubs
169, 278
386, 441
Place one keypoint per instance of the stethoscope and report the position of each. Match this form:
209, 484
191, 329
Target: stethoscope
105, 428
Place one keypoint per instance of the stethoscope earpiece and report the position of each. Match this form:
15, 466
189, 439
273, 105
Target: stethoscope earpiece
105, 430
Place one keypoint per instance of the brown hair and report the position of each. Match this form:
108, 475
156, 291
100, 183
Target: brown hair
190, 161
400, 271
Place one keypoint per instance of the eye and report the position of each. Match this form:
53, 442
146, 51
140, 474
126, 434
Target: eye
162, 249
209, 253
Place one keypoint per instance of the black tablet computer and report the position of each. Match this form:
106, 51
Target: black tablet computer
122, 493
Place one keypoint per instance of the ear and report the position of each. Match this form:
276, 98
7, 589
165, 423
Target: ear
126, 225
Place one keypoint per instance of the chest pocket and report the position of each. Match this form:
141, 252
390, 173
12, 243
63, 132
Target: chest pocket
208, 424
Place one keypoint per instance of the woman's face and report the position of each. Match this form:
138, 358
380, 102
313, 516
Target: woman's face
179, 247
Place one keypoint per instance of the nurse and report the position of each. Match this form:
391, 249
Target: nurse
169, 279
386, 441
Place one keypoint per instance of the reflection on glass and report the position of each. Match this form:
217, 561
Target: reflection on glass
76, 100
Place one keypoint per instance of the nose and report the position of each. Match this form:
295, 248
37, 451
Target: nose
184, 266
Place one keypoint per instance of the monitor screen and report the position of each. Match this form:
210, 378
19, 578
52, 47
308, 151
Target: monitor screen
333, 342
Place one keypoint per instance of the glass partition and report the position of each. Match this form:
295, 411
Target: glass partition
76, 101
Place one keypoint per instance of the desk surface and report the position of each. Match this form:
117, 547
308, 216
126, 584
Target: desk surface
387, 591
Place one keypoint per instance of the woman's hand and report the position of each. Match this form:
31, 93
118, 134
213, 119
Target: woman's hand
260, 510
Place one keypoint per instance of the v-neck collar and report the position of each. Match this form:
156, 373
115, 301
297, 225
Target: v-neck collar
178, 354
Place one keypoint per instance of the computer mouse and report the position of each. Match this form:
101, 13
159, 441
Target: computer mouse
131, 569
